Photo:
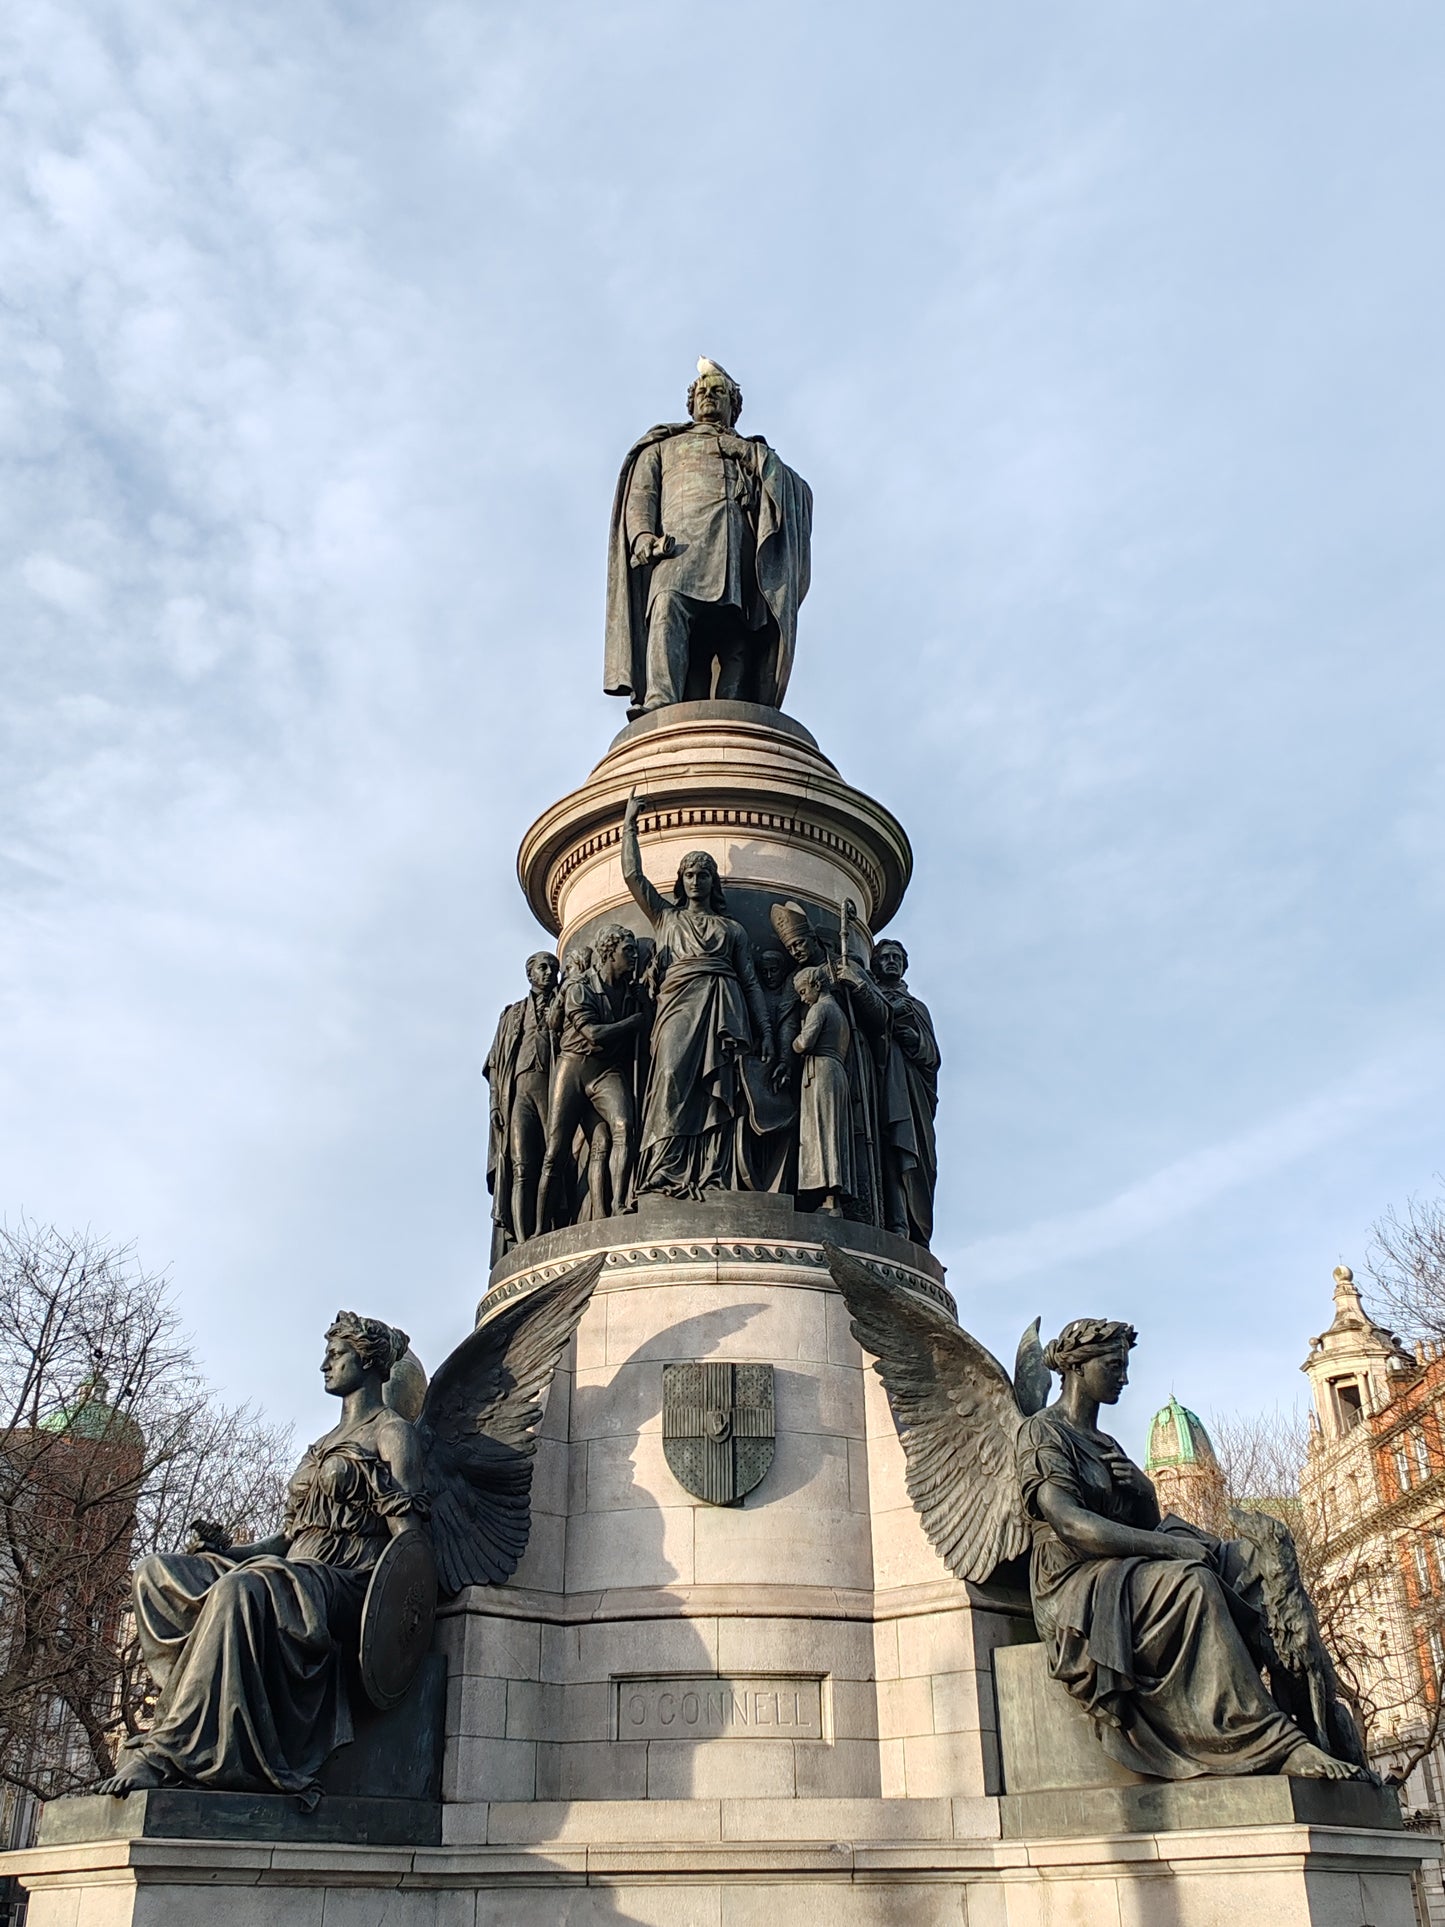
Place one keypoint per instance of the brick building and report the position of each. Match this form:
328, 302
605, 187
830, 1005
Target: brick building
1374, 1493
69, 1487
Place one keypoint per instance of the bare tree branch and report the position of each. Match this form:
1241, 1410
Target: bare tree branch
110, 1444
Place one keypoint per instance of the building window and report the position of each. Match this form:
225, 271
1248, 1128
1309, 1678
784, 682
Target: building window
1347, 1402
1422, 1455
1402, 1467
1437, 1654
1422, 1569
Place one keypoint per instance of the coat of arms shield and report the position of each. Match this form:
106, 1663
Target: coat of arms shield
717, 1428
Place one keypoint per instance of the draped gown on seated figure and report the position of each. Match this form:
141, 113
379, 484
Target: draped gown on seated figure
251, 1654
1154, 1649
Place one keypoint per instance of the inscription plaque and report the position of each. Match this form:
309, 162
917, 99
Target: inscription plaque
709, 1708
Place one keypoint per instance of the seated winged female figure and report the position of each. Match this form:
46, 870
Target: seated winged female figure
254, 1647
1161, 1632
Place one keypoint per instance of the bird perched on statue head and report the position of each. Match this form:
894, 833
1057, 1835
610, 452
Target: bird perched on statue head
714, 395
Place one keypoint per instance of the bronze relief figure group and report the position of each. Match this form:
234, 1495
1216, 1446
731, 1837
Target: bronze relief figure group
692, 1061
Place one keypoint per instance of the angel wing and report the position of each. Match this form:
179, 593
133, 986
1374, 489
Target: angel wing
478, 1429
956, 1414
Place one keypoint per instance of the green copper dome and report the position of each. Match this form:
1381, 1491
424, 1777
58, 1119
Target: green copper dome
1178, 1437
90, 1415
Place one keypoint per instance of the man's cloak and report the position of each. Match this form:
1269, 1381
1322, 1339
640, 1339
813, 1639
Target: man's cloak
785, 530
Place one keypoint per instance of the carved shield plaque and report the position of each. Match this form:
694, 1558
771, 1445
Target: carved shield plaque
717, 1428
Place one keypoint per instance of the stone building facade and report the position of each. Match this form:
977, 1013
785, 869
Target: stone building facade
1374, 1494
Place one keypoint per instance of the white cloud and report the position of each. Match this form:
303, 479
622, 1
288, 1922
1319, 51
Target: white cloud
1186, 1184
1111, 358
73, 591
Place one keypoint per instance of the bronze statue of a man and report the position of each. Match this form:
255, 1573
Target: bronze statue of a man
707, 562
596, 1075
519, 1071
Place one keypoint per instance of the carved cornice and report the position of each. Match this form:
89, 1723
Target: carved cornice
624, 1261
797, 828
746, 781
743, 1599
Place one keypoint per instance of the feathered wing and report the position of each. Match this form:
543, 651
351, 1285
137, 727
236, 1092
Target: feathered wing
957, 1417
478, 1429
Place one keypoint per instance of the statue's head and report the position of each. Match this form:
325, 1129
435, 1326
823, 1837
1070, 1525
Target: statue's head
698, 884
542, 970
614, 951
1096, 1350
772, 968
357, 1349
890, 961
795, 932
813, 983
714, 396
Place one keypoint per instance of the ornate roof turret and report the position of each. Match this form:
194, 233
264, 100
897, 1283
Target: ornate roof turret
1351, 1365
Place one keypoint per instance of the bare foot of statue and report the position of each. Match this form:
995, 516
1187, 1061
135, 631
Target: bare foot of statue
1309, 1763
136, 1776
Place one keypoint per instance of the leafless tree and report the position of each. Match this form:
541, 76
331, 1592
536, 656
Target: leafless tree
111, 1442
1373, 1636
1406, 1266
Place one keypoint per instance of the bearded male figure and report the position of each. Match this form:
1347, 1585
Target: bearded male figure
708, 560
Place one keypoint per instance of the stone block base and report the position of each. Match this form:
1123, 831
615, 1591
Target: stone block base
744, 1863
1173, 1806
187, 1813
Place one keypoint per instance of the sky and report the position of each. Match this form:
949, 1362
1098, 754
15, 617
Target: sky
1109, 340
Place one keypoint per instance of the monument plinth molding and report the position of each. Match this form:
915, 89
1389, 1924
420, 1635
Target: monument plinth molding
747, 784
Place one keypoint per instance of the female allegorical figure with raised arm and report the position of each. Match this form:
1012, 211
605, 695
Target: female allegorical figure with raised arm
253, 1645
710, 1010
1158, 1630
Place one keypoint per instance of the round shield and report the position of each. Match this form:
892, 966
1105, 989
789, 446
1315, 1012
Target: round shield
396, 1621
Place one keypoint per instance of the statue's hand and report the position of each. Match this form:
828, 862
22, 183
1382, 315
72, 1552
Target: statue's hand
654, 548
636, 804
1122, 1468
208, 1536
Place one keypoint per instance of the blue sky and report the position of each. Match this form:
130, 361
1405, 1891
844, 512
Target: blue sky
1109, 339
